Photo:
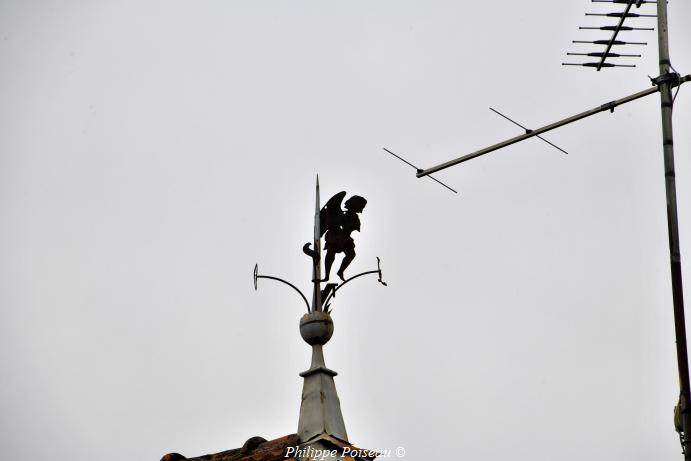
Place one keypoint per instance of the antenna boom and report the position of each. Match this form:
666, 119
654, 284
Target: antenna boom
608, 106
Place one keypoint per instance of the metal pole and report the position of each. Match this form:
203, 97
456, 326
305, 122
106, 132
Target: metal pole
683, 419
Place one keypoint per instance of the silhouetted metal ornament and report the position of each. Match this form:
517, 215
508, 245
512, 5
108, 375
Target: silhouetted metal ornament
334, 223
320, 409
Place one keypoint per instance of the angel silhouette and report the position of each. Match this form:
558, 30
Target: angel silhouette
336, 226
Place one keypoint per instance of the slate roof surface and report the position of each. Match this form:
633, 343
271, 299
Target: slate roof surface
255, 449
259, 449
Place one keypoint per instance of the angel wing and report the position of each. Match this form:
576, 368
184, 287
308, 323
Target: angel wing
331, 214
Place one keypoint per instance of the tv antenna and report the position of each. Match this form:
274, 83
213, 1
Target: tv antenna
612, 41
663, 84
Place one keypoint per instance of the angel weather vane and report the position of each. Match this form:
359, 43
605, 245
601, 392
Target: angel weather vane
335, 225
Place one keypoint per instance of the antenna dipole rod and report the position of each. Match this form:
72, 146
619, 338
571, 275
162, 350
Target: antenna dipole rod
596, 64
638, 3
418, 169
609, 55
622, 28
673, 232
605, 42
622, 15
608, 106
527, 130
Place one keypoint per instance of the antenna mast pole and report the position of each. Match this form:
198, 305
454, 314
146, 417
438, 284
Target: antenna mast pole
683, 415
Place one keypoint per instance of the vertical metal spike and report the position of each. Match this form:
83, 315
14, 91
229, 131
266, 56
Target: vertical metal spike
316, 267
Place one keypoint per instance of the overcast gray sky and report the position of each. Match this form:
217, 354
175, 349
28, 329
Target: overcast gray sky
153, 151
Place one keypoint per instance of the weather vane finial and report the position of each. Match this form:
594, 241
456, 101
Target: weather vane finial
320, 411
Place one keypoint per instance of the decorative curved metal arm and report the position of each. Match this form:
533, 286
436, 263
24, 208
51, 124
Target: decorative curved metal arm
257, 276
378, 271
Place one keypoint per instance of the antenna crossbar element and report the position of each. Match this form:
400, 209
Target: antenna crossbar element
615, 29
605, 42
638, 2
418, 170
596, 64
527, 130
622, 15
608, 55
605, 107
